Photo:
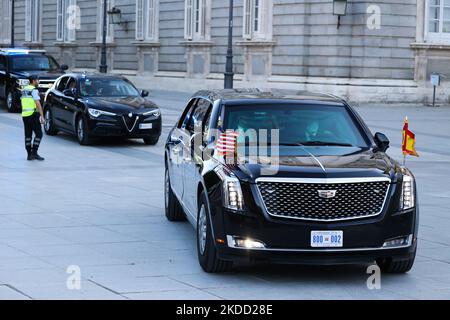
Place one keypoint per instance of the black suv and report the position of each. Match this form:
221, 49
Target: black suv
17, 65
290, 178
99, 105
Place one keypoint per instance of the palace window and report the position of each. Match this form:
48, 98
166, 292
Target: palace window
257, 19
5, 21
437, 25
33, 25
109, 26
196, 19
147, 20
67, 20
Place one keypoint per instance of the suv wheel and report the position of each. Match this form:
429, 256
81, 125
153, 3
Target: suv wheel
82, 132
49, 127
389, 265
174, 212
206, 249
10, 103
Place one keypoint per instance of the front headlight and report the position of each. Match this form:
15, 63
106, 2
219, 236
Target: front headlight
232, 192
95, 113
154, 113
407, 199
22, 82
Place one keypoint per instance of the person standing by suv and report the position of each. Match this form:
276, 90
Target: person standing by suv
33, 117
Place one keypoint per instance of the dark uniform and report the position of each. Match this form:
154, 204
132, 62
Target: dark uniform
30, 116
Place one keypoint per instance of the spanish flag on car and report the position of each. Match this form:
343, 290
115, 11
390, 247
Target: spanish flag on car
409, 141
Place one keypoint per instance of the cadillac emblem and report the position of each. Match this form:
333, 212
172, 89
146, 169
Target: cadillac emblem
327, 194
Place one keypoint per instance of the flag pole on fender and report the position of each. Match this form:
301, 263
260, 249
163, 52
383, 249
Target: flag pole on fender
409, 142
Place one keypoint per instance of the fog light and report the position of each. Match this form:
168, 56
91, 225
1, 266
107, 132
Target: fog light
398, 242
244, 243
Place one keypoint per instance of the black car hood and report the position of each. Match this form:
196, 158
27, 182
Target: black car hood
43, 75
120, 104
321, 162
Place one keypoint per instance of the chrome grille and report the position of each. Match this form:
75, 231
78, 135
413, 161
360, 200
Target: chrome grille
130, 122
324, 200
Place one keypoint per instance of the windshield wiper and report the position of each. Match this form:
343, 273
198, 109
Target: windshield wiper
325, 143
312, 143
315, 143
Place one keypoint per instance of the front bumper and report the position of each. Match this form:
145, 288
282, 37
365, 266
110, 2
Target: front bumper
289, 241
116, 127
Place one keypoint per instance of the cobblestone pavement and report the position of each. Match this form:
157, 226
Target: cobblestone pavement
101, 208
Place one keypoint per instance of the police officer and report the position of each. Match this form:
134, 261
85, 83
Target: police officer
33, 118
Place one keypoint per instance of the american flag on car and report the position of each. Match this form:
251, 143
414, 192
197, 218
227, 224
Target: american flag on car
227, 143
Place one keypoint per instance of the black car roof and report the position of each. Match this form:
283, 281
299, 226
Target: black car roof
248, 96
80, 75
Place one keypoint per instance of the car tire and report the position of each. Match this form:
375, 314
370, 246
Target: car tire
82, 131
49, 126
390, 265
151, 141
206, 249
10, 102
174, 211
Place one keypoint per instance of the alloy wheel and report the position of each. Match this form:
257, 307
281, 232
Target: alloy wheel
9, 101
80, 129
48, 120
202, 225
166, 189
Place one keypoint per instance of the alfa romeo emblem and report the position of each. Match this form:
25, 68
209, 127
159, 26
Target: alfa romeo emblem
130, 115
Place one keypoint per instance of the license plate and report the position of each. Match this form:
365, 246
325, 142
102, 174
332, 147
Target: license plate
145, 126
327, 239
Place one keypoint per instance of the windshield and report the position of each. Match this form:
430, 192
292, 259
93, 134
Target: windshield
34, 63
297, 125
101, 87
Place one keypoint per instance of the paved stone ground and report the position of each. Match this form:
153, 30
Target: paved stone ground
101, 208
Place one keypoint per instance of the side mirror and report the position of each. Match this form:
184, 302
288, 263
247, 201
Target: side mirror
144, 93
382, 142
64, 67
70, 92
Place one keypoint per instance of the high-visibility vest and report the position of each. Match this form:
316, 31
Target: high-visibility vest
27, 101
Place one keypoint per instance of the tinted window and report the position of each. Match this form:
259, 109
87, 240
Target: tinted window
33, 63
71, 84
306, 125
62, 84
107, 87
186, 114
198, 115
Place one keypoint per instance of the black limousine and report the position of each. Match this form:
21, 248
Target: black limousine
96, 105
325, 193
